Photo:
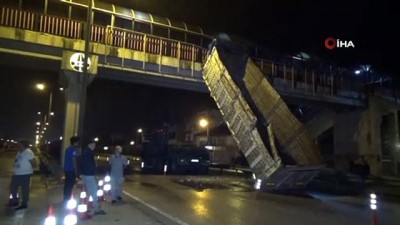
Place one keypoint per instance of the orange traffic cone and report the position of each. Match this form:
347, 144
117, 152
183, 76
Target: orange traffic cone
72, 204
100, 194
374, 219
83, 196
107, 192
83, 207
90, 204
50, 219
12, 201
71, 218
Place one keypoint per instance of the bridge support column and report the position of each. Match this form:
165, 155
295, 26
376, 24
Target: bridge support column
372, 133
71, 78
72, 83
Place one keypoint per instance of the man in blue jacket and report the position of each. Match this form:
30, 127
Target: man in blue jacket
70, 167
88, 173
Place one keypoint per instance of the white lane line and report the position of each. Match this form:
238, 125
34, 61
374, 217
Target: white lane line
169, 216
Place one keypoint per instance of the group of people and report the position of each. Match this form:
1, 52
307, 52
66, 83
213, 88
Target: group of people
83, 167
88, 172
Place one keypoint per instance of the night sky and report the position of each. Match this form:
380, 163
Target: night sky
285, 26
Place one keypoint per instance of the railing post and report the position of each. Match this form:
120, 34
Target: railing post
178, 54
192, 61
332, 84
161, 50
123, 48
144, 51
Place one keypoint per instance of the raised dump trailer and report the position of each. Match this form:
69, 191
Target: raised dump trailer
278, 148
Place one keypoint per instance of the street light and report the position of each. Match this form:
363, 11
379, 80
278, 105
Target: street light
132, 143
139, 130
40, 86
96, 139
204, 124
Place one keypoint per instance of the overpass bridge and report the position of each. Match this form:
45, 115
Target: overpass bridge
40, 38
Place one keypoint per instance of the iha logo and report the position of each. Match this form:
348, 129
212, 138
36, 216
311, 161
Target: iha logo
331, 43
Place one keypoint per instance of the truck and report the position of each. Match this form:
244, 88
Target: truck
160, 156
277, 146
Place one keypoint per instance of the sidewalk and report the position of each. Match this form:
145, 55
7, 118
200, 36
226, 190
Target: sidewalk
128, 212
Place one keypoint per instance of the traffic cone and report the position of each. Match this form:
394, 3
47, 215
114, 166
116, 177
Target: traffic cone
100, 196
50, 219
11, 200
107, 192
90, 204
374, 219
83, 196
83, 207
107, 179
71, 217
72, 204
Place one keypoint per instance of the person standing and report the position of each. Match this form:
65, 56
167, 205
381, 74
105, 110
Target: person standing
88, 172
70, 167
118, 163
23, 170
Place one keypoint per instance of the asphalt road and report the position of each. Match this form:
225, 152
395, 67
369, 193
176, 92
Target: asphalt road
232, 201
201, 200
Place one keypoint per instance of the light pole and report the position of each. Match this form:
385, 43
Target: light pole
140, 131
46, 119
204, 124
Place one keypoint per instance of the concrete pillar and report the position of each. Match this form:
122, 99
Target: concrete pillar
71, 81
359, 133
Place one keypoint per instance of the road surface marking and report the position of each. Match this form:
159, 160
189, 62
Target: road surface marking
169, 216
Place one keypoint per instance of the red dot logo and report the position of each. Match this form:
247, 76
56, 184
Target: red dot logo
330, 43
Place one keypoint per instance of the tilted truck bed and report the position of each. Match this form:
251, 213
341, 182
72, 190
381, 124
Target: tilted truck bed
246, 99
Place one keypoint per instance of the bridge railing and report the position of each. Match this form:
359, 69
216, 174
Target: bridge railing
309, 79
107, 35
152, 44
18, 18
